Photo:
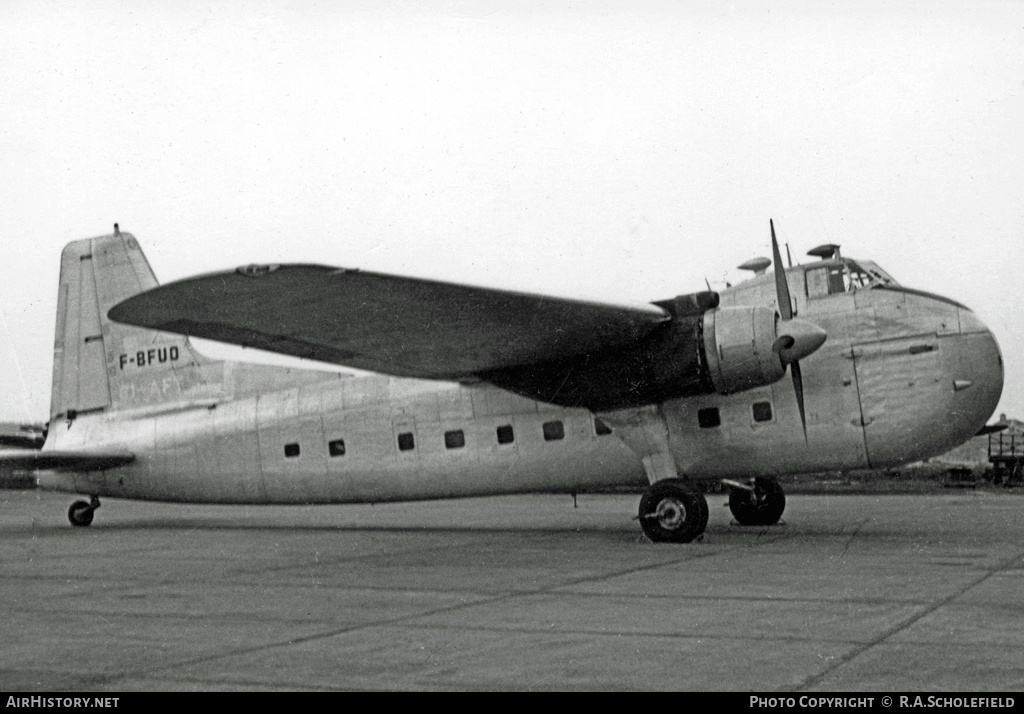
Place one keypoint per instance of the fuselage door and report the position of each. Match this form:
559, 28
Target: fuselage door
896, 380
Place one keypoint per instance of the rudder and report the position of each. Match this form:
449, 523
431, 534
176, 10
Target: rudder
100, 365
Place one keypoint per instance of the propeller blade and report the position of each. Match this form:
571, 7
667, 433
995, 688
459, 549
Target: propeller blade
798, 387
781, 285
797, 338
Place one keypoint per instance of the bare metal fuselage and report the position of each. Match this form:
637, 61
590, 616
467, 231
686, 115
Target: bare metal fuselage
903, 376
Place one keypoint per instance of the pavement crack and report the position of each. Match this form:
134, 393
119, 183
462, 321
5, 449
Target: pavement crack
813, 680
852, 536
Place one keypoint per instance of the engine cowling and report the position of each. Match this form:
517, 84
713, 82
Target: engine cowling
703, 349
741, 350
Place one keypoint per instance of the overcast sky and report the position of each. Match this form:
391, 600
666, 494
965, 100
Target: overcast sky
623, 151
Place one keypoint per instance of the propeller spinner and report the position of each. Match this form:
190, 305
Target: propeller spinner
796, 338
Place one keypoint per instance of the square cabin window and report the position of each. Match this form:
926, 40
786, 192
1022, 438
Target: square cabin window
505, 434
406, 442
454, 439
291, 451
553, 431
708, 418
601, 429
762, 411
336, 447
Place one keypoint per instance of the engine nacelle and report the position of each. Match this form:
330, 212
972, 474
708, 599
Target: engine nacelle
702, 349
739, 346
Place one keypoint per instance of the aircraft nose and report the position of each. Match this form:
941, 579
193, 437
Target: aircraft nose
978, 370
930, 388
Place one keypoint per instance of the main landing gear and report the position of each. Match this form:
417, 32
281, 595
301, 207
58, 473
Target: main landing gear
757, 504
672, 512
80, 514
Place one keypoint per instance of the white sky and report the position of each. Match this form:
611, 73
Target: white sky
619, 150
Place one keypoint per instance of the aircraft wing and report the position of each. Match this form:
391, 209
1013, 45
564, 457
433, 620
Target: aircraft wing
401, 326
32, 460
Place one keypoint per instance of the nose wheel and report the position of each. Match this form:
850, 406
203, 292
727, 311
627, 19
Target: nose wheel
759, 505
672, 512
80, 514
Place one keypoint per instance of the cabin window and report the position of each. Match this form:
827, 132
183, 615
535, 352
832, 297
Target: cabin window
291, 450
406, 442
708, 418
336, 447
601, 429
505, 434
454, 439
553, 431
762, 411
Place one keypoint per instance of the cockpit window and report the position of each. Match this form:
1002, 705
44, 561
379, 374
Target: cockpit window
826, 280
845, 276
878, 276
857, 277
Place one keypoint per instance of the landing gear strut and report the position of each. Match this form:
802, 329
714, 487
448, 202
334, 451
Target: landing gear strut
80, 514
672, 512
759, 505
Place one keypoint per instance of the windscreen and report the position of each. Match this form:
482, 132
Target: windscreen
865, 273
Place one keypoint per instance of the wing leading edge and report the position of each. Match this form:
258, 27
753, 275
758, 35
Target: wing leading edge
565, 352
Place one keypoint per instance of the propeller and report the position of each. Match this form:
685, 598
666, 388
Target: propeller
796, 338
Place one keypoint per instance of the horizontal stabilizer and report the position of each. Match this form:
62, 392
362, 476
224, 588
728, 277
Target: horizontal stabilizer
991, 429
25, 460
406, 327
22, 436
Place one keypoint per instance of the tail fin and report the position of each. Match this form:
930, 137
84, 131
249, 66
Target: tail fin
99, 364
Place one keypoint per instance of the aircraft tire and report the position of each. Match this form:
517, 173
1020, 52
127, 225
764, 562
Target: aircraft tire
80, 514
672, 512
762, 507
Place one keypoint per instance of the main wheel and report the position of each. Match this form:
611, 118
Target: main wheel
80, 514
671, 512
761, 507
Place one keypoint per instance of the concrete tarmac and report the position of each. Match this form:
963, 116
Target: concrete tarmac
852, 593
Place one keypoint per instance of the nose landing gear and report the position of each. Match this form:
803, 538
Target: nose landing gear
80, 514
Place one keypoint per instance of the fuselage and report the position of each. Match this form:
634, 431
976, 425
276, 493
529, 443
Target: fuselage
367, 439
903, 375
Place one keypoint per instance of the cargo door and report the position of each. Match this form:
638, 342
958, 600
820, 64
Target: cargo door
832, 406
895, 378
